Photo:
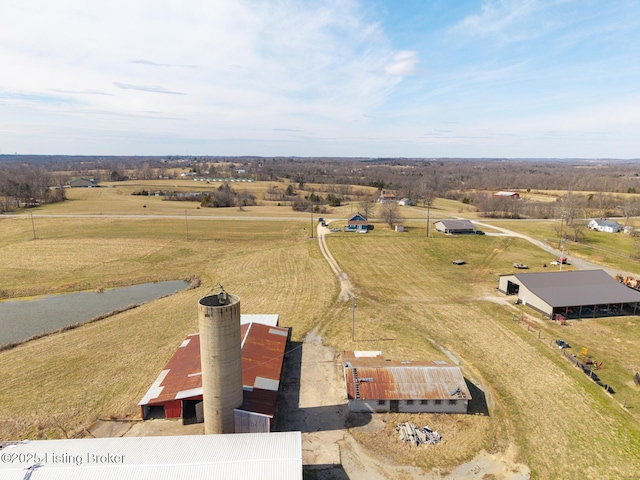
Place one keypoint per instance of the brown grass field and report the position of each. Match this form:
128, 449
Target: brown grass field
413, 303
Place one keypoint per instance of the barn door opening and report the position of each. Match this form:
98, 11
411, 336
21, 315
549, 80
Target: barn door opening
394, 406
190, 412
512, 288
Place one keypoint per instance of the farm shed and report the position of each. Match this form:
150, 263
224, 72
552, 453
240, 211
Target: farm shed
572, 294
178, 393
604, 225
357, 223
277, 456
377, 385
502, 194
82, 182
452, 227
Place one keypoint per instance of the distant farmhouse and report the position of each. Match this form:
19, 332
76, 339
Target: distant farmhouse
82, 182
604, 225
513, 195
572, 294
387, 196
454, 227
357, 223
377, 385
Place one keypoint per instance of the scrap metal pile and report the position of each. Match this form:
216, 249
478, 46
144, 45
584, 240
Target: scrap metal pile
417, 436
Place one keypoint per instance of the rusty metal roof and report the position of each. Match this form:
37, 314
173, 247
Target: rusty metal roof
263, 349
379, 379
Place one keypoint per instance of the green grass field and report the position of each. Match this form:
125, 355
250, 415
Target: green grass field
413, 303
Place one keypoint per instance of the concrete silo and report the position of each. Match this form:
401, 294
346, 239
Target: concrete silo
221, 359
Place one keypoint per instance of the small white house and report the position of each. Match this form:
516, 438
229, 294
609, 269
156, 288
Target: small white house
604, 225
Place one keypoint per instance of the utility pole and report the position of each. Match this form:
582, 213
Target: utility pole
186, 223
562, 256
428, 219
353, 320
311, 208
561, 221
33, 225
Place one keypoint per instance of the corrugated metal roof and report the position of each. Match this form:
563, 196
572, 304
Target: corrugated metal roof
262, 357
379, 379
274, 456
576, 288
263, 349
408, 382
457, 224
603, 222
376, 359
182, 373
265, 319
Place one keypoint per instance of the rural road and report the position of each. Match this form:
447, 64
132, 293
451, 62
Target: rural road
578, 263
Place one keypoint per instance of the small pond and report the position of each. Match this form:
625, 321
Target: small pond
21, 319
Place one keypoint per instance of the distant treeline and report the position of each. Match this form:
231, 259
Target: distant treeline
29, 186
608, 182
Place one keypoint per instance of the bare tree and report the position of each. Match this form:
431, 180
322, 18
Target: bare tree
390, 213
366, 208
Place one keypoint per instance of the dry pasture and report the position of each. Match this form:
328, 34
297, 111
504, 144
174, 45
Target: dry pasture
412, 304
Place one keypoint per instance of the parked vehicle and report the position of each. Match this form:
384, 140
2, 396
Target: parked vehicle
479, 232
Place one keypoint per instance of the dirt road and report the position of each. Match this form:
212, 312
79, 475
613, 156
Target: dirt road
315, 403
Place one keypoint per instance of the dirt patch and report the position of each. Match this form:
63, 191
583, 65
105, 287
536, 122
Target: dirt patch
147, 428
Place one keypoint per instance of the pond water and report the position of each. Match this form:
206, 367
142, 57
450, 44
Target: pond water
21, 319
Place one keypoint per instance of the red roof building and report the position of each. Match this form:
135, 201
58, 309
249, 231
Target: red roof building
177, 392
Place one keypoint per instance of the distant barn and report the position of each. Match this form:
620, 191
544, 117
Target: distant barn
512, 195
82, 182
454, 227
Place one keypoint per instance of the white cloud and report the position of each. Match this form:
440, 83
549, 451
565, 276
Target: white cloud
404, 64
500, 16
146, 88
226, 67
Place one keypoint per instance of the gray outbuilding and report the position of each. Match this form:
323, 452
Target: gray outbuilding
454, 227
571, 294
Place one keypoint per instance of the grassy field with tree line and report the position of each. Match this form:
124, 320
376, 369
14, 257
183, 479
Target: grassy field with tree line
413, 303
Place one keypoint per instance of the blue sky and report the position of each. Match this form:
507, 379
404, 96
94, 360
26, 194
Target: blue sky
375, 78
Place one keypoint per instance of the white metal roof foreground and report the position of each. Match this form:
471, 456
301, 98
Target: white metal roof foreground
268, 456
